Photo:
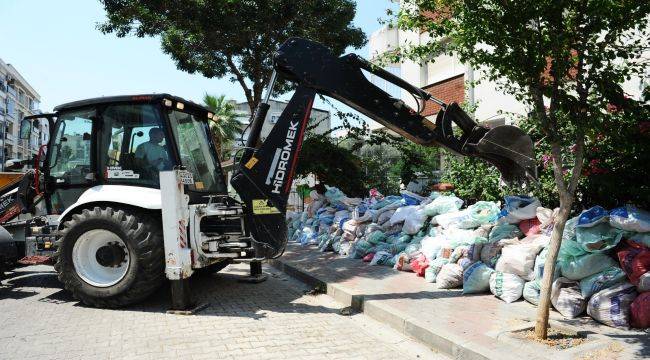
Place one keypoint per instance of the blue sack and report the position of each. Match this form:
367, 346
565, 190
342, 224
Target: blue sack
592, 217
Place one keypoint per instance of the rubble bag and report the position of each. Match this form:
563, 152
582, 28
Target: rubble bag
431, 246
491, 251
419, 265
519, 259
630, 218
434, 269
612, 306
598, 238
450, 276
578, 268
504, 231
602, 280
635, 261
532, 290
402, 262
567, 298
640, 311
519, 208
368, 257
442, 205
530, 226
476, 278
507, 287
376, 237
414, 222
644, 283
483, 212
381, 258
451, 219
592, 217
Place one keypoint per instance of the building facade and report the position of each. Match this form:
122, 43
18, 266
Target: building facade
447, 78
17, 100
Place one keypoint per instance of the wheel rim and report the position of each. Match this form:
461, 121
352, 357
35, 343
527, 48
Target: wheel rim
100, 258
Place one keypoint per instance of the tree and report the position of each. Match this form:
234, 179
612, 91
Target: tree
225, 128
566, 59
234, 38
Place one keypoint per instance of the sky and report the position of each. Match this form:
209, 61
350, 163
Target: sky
55, 45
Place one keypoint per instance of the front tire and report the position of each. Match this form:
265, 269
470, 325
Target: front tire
111, 257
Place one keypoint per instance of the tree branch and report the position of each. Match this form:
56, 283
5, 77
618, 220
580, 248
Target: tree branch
242, 82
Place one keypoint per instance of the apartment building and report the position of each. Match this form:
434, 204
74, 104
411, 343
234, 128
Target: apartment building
17, 100
447, 78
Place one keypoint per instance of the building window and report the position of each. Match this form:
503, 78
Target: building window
11, 107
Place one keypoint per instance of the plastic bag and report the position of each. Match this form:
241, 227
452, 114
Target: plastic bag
612, 306
431, 246
602, 280
546, 218
532, 290
507, 287
491, 251
592, 217
630, 218
635, 261
519, 260
443, 204
451, 219
598, 238
376, 237
434, 269
419, 265
640, 311
401, 214
483, 212
368, 257
381, 258
476, 278
410, 198
530, 226
578, 268
415, 222
402, 262
567, 298
504, 231
540, 263
450, 276
641, 238
519, 208
384, 217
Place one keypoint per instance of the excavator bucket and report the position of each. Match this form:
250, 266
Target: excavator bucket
506, 147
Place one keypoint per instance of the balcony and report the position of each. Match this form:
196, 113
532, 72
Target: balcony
383, 40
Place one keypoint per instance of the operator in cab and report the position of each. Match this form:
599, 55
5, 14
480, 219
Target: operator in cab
151, 152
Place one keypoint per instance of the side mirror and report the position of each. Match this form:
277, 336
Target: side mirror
9, 164
25, 129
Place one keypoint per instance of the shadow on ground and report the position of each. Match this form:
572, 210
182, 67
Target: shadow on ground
223, 294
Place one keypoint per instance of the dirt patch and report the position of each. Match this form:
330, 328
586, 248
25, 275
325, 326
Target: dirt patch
610, 352
559, 339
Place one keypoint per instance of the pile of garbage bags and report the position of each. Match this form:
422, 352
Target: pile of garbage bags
603, 266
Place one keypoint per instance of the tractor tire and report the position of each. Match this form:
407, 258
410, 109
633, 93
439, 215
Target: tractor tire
110, 257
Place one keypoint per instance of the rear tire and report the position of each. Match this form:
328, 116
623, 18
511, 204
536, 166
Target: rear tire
128, 263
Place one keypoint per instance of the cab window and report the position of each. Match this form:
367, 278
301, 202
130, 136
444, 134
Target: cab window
133, 148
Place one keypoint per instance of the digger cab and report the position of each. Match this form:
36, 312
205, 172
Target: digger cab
127, 140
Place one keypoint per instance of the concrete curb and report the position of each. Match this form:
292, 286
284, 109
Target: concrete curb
442, 341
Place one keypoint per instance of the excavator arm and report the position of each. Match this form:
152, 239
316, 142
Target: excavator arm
263, 179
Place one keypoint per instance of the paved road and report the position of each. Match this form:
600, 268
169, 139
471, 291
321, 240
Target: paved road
275, 319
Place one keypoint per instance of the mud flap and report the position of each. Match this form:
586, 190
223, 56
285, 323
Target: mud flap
263, 179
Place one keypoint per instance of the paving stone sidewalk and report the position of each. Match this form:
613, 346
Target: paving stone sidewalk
271, 320
462, 326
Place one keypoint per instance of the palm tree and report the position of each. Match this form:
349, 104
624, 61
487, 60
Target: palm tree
225, 127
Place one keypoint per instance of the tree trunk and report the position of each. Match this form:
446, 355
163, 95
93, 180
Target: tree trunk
541, 326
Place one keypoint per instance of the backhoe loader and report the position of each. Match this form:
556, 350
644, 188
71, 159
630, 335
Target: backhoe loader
129, 191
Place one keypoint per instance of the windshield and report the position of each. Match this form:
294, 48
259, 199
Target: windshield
196, 154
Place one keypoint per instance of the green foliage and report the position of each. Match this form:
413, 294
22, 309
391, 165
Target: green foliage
332, 164
473, 179
234, 38
225, 128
